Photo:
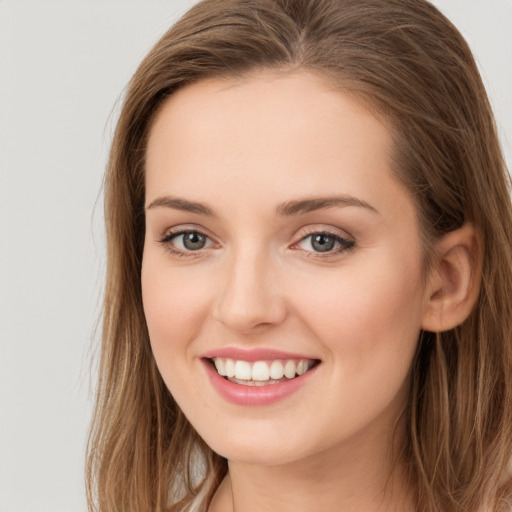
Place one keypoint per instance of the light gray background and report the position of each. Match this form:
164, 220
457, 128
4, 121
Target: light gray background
63, 65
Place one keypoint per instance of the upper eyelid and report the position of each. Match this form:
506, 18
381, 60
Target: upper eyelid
179, 230
326, 233
333, 231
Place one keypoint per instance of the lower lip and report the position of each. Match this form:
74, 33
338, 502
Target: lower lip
240, 394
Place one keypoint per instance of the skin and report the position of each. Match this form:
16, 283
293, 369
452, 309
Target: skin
243, 147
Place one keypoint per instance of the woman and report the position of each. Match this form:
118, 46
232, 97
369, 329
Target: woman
309, 269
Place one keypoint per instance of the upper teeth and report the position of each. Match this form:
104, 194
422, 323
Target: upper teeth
261, 370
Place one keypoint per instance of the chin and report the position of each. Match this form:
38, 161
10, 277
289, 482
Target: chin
260, 445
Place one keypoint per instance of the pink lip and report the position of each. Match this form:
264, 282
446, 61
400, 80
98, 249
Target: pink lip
255, 354
240, 394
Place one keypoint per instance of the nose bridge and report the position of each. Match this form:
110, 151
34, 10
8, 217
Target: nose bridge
249, 294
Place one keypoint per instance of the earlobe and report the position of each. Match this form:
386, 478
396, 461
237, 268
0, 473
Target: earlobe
454, 282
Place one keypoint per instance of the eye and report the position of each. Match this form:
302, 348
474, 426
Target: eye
186, 241
324, 242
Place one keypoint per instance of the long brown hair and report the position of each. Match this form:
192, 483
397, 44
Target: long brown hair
409, 62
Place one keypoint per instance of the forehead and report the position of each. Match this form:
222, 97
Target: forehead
290, 130
267, 102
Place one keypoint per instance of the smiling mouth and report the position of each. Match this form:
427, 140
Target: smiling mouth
262, 373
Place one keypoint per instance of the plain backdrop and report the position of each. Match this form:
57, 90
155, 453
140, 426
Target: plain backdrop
63, 68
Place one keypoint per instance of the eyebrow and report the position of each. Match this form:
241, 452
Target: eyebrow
184, 205
307, 205
289, 208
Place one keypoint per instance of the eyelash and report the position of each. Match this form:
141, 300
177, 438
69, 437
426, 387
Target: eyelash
167, 239
344, 244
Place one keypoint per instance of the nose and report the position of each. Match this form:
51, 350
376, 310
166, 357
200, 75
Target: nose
250, 298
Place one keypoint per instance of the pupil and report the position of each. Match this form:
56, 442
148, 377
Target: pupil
194, 241
322, 243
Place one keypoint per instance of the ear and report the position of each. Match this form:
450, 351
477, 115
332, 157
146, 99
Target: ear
454, 281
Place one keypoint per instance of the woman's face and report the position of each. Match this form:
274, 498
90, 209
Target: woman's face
277, 240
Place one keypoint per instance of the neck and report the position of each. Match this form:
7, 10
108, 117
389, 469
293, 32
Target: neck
361, 475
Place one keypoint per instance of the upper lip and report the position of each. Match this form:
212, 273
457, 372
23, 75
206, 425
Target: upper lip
254, 354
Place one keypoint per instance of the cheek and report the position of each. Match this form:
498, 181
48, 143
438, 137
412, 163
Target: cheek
367, 317
175, 305
368, 325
